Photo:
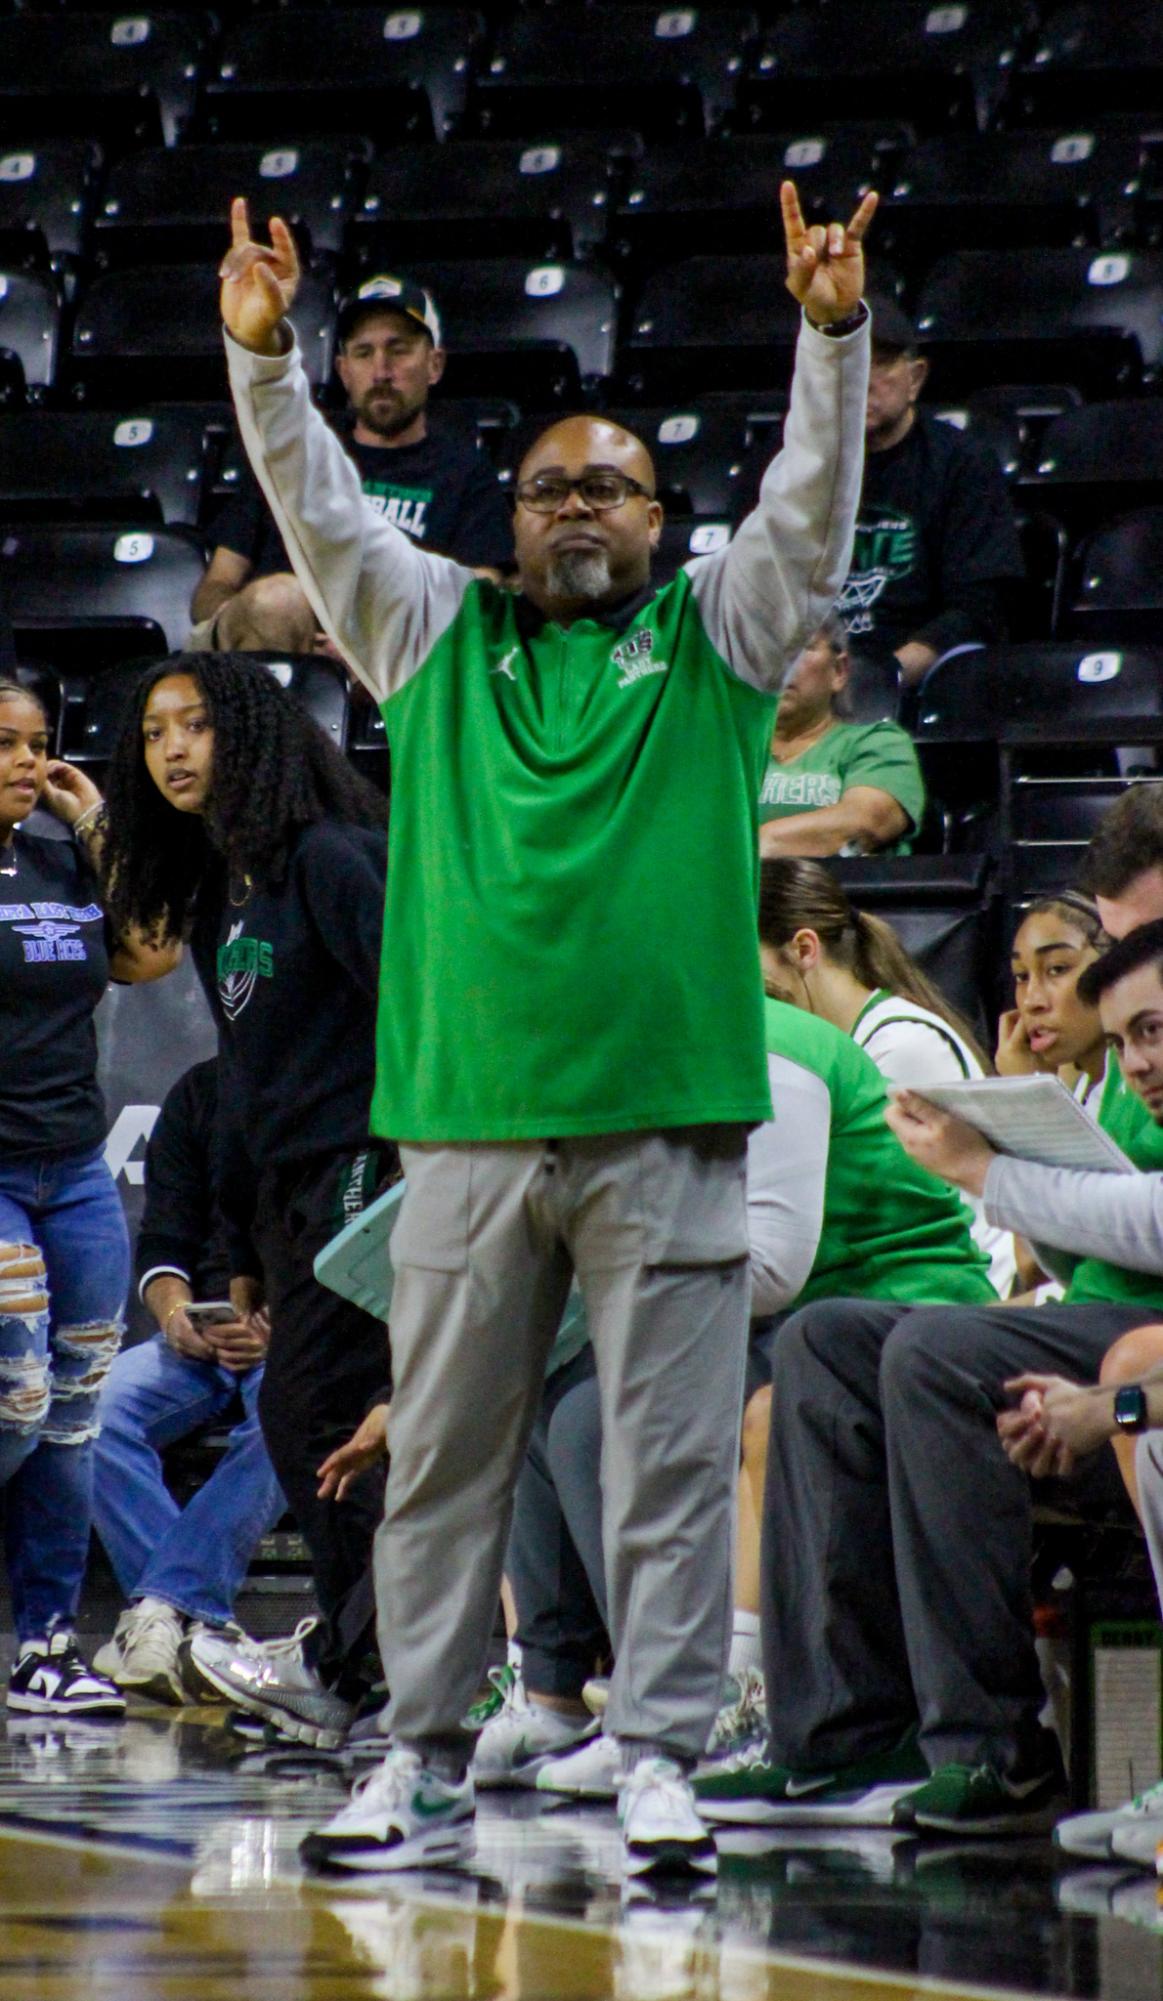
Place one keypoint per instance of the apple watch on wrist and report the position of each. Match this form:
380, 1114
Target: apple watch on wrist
1131, 1407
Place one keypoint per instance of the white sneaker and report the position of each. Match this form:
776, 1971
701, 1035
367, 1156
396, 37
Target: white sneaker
271, 1679
592, 1772
142, 1655
401, 1816
661, 1829
1139, 1841
1090, 1834
514, 1744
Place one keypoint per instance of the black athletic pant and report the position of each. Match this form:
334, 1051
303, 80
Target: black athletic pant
326, 1364
896, 1533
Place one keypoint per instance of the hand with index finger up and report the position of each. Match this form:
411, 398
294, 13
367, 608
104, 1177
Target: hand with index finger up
258, 283
825, 266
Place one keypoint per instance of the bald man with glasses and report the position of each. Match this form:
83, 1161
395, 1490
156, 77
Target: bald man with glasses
571, 1030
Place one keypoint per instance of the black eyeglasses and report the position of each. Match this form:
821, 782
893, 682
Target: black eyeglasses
600, 490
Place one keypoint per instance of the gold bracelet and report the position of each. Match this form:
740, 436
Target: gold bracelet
90, 813
178, 1308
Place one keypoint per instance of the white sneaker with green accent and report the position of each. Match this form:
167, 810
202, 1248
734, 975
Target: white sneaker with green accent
1091, 1834
401, 1816
522, 1737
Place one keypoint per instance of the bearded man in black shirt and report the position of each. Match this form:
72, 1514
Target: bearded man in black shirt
935, 536
432, 483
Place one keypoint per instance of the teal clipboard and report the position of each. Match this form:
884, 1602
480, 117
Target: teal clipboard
357, 1264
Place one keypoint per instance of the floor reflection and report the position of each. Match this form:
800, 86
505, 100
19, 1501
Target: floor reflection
157, 1860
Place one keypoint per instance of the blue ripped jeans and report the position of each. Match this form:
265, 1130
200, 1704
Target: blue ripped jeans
60, 1326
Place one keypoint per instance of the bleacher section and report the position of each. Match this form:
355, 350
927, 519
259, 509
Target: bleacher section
591, 193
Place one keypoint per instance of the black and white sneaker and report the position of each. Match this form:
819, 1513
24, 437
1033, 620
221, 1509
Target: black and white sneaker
52, 1678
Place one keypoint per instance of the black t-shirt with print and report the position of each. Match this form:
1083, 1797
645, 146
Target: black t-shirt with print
54, 968
935, 540
291, 971
442, 492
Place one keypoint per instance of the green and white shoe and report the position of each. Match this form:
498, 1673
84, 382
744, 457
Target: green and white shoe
401, 1816
502, 1681
524, 1736
980, 1799
747, 1791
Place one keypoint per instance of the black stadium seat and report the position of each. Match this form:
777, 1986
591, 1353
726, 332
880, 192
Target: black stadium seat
1047, 691
71, 581
931, 65
1089, 59
537, 332
1051, 821
1092, 317
683, 540
321, 686
396, 76
1101, 460
131, 78
46, 191
660, 70
166, 203
721, 195
699, 453
976, 190
550, 198
155, 331
143, 466
29, 334
1119, 593
726, 321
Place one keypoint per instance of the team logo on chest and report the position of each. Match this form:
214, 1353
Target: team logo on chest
241, 961
635, 659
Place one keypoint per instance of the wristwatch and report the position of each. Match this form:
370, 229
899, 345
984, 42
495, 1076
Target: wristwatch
836, 329
1131, 1407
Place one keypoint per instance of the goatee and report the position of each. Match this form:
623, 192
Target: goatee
578, 574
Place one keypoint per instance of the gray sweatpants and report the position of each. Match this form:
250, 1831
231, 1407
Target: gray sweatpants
896, 1534
655, 1226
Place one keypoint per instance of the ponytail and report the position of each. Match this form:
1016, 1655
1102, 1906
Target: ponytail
800, 895
881, 961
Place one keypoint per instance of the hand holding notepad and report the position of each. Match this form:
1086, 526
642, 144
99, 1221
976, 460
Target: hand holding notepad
1034, 1118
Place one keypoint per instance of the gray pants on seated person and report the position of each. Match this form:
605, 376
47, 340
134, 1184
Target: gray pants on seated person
896, 1533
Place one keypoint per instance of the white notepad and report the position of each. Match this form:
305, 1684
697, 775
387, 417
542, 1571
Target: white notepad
1034, 1118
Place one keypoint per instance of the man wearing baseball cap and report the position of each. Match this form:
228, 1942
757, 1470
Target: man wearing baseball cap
935, 535
428, 480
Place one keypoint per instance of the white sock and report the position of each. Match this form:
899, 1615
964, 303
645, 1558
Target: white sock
513, 1655
746, 1649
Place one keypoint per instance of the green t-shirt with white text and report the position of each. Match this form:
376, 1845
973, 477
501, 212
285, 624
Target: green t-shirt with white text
878, 754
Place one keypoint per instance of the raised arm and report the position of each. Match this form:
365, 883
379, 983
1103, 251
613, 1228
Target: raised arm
768, 591
380, 599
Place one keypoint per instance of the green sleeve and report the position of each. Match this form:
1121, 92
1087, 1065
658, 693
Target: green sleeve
883, 755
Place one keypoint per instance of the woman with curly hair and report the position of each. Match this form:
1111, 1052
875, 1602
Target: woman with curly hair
236, 824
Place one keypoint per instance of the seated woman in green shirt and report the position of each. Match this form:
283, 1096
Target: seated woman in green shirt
833, 786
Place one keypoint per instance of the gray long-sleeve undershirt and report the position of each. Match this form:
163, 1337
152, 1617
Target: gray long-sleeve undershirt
1117, 1217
